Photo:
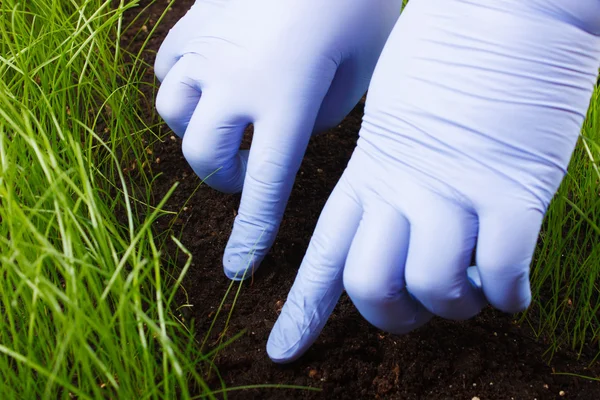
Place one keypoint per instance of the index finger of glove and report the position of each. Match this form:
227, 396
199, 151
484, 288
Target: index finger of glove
318, 284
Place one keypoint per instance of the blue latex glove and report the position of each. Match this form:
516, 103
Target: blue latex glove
471, 118
289, 67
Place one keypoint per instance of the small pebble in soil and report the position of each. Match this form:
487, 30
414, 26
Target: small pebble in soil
279, 306
561, 393
475, 398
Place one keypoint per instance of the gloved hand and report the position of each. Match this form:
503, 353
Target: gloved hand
471, 118
289, 67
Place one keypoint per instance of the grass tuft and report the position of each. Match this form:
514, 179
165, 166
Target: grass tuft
566, 269
85, 309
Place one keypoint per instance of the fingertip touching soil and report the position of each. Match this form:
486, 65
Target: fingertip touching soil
488, 357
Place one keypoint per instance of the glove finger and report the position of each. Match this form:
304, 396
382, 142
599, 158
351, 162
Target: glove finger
212, 141
507, 239
442, 240
173, 46
180, 93
348, 87
213, 131
274, 159
171, 49
374, 272
278, 146
318, 284
354, 74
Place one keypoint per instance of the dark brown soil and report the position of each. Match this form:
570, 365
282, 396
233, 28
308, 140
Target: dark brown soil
490, 357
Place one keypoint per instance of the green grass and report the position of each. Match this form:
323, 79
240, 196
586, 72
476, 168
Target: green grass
86, 298
566, 269
85, 306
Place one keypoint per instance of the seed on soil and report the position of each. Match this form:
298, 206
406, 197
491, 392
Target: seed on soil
173, 138
475, 398
279, 306
561, 393
396, 372
312, 373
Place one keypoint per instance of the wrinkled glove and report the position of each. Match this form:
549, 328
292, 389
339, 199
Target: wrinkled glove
471, 118
291, 68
